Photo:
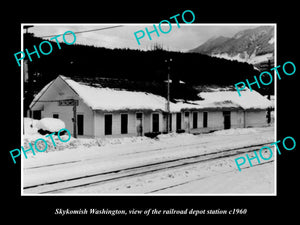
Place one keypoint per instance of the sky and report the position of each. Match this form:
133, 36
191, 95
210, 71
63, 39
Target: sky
184, 38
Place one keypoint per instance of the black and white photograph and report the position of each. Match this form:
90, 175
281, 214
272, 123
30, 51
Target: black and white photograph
139, 111
148, 112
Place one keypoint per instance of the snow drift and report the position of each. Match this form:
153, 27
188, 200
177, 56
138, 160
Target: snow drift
50, 124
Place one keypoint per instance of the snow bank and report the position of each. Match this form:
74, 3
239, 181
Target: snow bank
31, 127
235, 131
101, 142
50, 124
72, 143
173, 135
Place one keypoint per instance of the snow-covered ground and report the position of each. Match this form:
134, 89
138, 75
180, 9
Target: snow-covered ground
252, 59
217, 177
80, 157
253, 180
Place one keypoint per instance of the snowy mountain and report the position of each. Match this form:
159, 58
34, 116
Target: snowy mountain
253, 46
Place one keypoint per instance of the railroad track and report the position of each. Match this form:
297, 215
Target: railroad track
64, 185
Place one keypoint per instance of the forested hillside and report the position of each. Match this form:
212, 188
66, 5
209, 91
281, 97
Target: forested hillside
149, 66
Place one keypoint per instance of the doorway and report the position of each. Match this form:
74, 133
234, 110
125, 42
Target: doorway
178, 121
108, 124
155, 122
80, 124
139, 124
227, 119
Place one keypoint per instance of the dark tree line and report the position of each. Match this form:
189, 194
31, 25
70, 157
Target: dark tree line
135, 65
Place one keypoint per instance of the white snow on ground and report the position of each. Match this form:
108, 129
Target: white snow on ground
90, 156
234, 131
253, 180
253, 59
260, 58
271, 41
214, 177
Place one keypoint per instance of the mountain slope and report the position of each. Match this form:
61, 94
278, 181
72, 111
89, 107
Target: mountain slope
211, 44
251, 45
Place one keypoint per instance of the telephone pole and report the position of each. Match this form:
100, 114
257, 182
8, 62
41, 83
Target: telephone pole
168, 95
269, 96
74, 119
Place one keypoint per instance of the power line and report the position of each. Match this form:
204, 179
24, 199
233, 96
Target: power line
78, 32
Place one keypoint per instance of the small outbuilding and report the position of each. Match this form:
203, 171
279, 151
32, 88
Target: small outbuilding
92, 110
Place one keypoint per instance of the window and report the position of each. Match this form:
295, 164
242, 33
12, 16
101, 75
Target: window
124, 123
55, 115
155, 122
37, 114
205, 115
107, 124
195, 120
139, 116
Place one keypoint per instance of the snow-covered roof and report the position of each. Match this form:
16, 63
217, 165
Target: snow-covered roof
248, 100
205, 105
109, 99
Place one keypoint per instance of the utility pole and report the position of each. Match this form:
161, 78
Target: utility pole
25, 76
74, 119
269, 96
168, 95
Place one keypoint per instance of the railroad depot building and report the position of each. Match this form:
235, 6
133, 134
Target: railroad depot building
110, 112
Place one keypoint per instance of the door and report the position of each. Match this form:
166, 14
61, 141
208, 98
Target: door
178, 121
205, 116
139, 124
187, 121
124, 123
155, 122
170, 122
227, 120
167, 122
195, 120
80, 124
108, 124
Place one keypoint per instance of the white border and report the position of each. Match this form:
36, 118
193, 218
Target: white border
193, 24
